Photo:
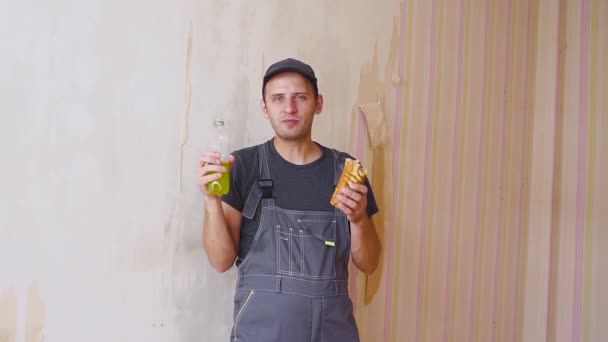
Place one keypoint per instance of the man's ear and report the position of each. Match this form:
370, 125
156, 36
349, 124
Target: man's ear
263, 108
319, 108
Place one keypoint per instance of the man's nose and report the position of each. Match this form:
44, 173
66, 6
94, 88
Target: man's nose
290, 106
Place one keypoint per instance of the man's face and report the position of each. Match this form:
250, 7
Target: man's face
290, 105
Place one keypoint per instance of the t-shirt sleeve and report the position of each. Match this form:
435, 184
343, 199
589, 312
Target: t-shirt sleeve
372, 205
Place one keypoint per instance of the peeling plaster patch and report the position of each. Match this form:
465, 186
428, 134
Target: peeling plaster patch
34, 326
8, 315
376, 123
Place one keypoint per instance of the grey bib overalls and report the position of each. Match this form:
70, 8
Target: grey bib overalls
293, 283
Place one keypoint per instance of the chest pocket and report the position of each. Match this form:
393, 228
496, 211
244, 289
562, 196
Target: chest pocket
307, 247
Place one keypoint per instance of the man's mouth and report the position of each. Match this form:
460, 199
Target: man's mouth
290, 121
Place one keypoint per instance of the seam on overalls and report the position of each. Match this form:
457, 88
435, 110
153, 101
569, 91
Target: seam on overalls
295, 293
303, 220
322, 319
336, 253
320, 213
290, 251
301, 253
238, 315
329, 277
278, 252
299, 279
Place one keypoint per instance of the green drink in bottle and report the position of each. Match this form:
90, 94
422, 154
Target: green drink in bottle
221, 186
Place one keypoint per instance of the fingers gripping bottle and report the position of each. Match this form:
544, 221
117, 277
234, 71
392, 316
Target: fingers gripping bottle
219, 144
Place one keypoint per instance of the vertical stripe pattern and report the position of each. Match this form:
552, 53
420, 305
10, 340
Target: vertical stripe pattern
458, 170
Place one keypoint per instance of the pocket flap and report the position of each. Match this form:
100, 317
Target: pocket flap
321, 228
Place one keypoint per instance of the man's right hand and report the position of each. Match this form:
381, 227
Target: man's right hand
210, 169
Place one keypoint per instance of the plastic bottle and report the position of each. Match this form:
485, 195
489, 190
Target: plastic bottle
220, 143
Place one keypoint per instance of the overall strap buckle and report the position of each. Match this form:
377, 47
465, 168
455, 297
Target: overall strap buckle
266, 187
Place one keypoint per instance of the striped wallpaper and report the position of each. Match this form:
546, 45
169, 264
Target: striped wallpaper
494, 208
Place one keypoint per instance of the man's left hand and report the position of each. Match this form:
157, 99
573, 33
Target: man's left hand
353, 202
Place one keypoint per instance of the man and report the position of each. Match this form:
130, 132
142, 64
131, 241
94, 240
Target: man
290, 244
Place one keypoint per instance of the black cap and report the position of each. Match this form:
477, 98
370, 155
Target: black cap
291, 65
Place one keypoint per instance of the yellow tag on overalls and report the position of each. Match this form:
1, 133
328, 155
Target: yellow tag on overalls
330, 243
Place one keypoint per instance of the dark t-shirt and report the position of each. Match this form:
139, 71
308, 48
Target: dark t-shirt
295, 187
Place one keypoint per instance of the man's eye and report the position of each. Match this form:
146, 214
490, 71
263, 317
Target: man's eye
301, 97
278, 98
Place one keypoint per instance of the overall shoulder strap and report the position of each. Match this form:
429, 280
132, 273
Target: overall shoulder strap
262, 188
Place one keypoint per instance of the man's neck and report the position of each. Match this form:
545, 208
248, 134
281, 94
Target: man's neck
299, 152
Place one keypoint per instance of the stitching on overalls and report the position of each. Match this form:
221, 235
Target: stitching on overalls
322, 319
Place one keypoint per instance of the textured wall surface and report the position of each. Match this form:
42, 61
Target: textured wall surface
482, 123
